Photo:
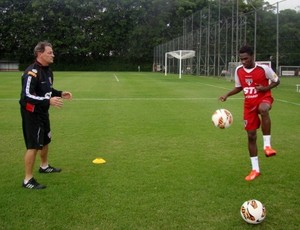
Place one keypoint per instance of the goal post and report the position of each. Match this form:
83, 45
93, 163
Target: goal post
180, 55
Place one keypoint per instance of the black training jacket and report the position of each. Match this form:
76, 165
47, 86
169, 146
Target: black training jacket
37, 88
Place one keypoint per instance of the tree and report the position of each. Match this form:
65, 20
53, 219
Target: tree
125, 31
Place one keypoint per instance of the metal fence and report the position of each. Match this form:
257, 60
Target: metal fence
216, 33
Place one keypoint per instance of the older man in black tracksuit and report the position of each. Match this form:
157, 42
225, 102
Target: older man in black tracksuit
36, 97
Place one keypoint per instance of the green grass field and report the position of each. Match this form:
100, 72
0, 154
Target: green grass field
167, 166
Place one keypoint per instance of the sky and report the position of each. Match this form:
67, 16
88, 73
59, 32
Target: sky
286, 4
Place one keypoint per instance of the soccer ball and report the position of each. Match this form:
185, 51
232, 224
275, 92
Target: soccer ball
222, 118
253, 211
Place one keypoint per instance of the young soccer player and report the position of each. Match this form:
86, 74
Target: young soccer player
256, 82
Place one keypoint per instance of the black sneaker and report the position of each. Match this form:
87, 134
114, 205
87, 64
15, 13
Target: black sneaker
33, 184
50, 169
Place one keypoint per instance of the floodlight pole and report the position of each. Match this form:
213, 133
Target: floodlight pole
277, 40
255, 31
166, 63
255, 27
237, 31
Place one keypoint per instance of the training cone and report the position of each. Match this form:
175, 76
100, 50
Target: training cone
99, 161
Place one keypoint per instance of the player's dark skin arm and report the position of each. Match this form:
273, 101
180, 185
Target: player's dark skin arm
261, 88
230, 93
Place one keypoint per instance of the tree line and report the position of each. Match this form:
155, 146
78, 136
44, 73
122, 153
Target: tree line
106, 34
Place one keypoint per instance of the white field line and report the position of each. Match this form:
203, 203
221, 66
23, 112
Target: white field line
281, 100
287, 102
137, 99
117, 79
219, 87
150, 99
156, 99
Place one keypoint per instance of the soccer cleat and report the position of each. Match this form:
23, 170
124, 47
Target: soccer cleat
253, 174
49, 169
33, 184
269, 151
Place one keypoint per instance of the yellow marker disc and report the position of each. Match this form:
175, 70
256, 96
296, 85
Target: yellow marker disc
99, 161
